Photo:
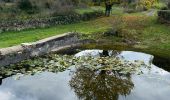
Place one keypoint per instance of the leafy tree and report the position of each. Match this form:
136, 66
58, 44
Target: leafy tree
100, 85
147, 4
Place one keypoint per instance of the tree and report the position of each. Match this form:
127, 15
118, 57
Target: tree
100, 85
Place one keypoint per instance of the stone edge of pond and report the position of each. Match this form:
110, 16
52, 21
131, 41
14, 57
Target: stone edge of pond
15, 54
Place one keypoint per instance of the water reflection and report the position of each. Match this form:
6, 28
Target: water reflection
105, 53
100, 85
44, 86
85, 84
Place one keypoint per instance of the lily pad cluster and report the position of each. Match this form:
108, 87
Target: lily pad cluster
112, 64
57, 63
52, 63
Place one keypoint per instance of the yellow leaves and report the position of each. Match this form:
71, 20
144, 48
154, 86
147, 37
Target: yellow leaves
147, 4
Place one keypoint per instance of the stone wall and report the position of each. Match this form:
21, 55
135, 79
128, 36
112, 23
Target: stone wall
24, 51
19, 24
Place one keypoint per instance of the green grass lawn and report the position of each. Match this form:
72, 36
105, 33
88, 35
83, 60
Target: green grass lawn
115, 10
14, 38
157, 39
89, 9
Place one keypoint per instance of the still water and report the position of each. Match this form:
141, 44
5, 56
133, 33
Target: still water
83, 84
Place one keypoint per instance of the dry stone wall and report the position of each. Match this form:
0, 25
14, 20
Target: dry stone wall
24, 51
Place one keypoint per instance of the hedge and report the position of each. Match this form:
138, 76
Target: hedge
164, 16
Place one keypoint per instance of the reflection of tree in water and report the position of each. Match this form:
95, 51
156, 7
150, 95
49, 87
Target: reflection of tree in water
100, 85
105, 53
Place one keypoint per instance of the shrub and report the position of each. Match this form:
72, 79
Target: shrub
132, 24
43, 6
128, 26
117, 24
131, 8
164, 8
63, 7
137, 8
164, 16
140, 5
76, 2
26, 6
147, 4
159, 5
92, 15
135, 22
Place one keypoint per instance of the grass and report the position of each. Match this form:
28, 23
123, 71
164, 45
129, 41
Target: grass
89, 9
157, 38
152, 36
117, 10
14, 38
83, 10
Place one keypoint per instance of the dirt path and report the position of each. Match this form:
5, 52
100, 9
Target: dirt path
150, 12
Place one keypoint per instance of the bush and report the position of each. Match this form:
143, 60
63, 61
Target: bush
26, 6
137, 8
117, 24
91, 15
139, 5
128, 26
44, 6
133, 7
164, 8
63, 7
164, 16
159, 5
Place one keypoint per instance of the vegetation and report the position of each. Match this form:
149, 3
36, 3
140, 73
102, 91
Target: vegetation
13, 38
22, 24
136, 25
164, 14
57, 63
35, 8
139, 28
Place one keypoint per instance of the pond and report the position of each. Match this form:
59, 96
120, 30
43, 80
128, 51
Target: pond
84, 84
